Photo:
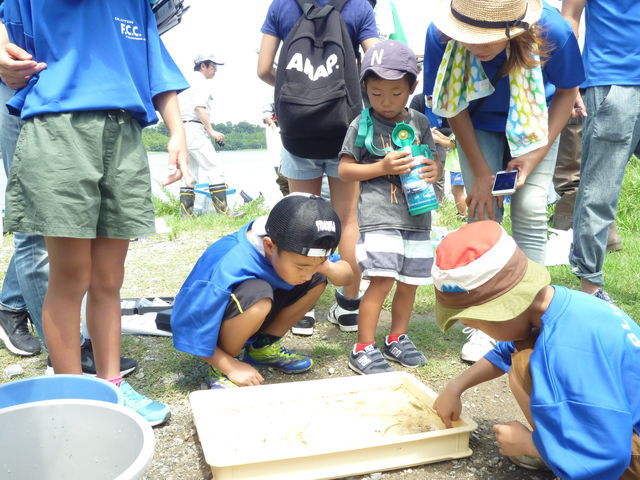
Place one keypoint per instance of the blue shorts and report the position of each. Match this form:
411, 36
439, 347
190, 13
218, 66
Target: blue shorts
299, 168
456, 178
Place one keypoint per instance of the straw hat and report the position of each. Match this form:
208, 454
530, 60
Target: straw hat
485, 21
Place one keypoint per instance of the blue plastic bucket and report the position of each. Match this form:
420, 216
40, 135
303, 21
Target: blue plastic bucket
57, 387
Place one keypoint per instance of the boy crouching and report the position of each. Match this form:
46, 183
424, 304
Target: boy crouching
250, 287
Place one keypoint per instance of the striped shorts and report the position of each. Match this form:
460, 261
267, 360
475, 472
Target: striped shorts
403, 255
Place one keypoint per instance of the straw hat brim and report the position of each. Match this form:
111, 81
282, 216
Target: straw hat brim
505, 307
462, 32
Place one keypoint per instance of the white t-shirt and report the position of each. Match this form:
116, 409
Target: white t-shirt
198, 95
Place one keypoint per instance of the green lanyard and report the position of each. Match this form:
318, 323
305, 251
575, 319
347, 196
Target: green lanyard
402, 135
365, 135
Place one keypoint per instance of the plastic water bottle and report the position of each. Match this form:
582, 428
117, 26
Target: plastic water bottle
420, 195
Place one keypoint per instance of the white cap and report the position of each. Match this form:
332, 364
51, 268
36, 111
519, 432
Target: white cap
203, 57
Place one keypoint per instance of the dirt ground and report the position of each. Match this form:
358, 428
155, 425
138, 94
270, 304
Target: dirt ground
178, 453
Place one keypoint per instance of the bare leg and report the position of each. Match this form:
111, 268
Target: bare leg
370, 307
103, 303
234, 332
69, 279
344, 198
402, 307
312, 186
460, 198
290, 315
587, 287
522, 397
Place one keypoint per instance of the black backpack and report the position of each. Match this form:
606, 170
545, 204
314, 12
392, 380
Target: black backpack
317, 92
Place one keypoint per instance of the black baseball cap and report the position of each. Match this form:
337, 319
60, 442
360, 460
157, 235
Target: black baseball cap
305, 224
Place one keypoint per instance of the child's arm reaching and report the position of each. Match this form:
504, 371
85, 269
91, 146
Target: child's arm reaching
448, 404
338, 272
394, 163
167, 104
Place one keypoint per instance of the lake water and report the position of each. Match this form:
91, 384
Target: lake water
250, 170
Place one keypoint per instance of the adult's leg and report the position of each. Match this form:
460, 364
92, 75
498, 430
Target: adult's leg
103, 303
312, 186
69, 279
344, 198
611, 134
529, 208
566, 177
32, 268
370, 307
25, 281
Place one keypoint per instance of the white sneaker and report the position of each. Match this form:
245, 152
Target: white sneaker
477, 346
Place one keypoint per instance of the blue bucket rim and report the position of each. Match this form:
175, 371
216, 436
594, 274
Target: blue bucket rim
53, 378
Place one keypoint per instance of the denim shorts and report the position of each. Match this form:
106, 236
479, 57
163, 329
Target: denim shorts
80, 175
299, 168
456, 178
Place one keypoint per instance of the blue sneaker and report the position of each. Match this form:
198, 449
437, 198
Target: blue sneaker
155, 413
218, 380
278, 357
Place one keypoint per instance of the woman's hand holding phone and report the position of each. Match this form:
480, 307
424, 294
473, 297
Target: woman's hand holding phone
525, 165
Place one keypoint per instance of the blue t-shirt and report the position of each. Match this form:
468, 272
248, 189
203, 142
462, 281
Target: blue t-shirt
201, 302
100, 55
563, 69
357, 15
586, 386
611, 52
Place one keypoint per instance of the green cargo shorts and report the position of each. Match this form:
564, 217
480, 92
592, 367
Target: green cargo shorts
80, 175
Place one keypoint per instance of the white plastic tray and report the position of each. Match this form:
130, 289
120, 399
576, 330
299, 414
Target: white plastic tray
323, 429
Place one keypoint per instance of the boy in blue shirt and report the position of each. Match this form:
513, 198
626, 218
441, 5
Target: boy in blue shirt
80, 177
572, 358
253, 285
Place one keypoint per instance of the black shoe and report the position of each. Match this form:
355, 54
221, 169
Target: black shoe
305, 325
14, 332
127, 365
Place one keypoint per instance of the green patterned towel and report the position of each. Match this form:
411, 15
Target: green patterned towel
461, 79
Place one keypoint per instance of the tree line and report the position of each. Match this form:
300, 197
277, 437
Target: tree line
237, 136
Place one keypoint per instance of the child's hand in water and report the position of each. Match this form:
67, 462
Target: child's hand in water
448, 406
244, 374
396, 163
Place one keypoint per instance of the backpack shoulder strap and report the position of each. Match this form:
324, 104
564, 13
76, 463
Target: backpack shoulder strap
337, 4
305, 5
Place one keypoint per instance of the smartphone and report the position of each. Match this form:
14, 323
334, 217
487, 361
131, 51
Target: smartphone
504, 183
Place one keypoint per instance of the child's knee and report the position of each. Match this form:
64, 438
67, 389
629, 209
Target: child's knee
260, 309
382, 282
